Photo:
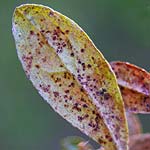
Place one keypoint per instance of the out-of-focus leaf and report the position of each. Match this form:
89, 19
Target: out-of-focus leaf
84, 146
75, 143
134, 124
70, 74
101, 148
134, 83
140, 142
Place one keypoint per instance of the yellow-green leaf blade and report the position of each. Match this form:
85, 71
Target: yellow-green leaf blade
134, 83
53, 82
56, 55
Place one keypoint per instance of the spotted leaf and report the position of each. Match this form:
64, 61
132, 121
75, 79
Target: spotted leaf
70, 74
138, 142
134, 83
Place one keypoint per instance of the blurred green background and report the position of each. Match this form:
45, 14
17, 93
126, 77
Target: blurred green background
120, 29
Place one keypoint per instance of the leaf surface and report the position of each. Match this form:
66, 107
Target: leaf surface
140, 142
75, 143
134, 124
70, 74
134, 84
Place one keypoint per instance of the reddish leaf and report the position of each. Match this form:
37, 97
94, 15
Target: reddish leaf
140, 142
134, 83
70, 74
134, 124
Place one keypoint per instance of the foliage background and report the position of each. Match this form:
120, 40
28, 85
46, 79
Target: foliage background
120, 29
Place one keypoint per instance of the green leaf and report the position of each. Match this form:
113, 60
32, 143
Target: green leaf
70, 74
134, 83
75, 143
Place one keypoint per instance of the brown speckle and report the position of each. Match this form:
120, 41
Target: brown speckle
54, 38
82, 50
85, 105
81, 89
42, 31
101, 141
37, 66
45, 88
89, 66
31, 32
56, 94
66, 91
80, 118
76, 107
107, 96
67, 31
72, 54
71, 85
51, 13
148, 106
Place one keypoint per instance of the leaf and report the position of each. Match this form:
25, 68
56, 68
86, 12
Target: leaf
84, 146
134, 83
75, 143
140, 142
134, 124
70, 74
135, 129
71, 143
